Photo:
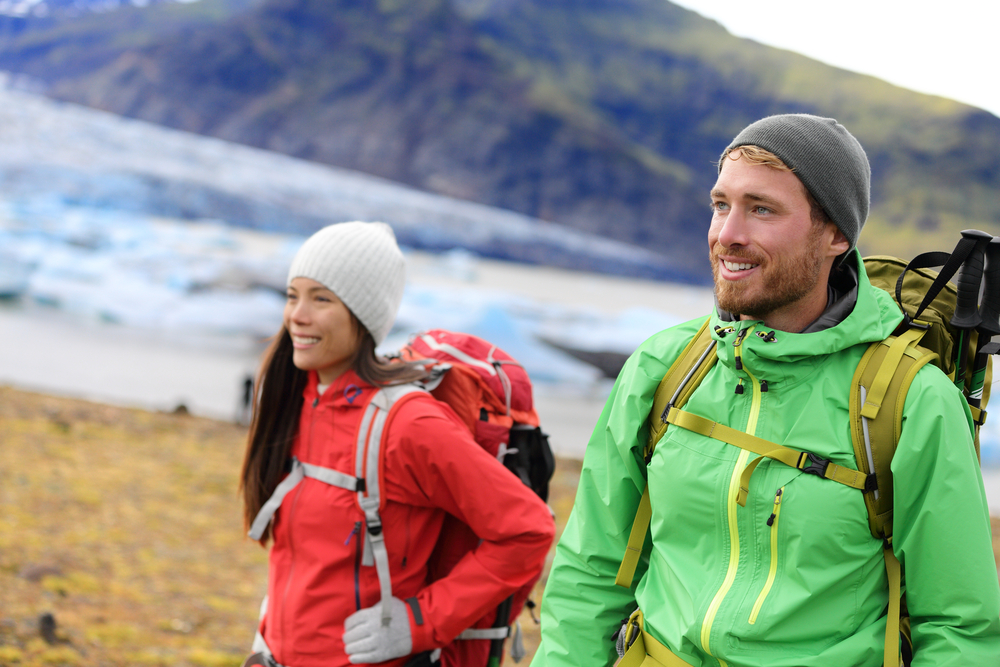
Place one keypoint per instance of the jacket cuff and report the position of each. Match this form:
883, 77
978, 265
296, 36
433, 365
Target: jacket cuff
420, 630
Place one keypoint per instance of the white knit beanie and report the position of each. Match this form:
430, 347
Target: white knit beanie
360, 263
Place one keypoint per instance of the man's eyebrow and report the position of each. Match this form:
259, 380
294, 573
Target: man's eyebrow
763, 199
750, 196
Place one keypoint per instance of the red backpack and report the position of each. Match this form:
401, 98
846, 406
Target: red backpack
491, 393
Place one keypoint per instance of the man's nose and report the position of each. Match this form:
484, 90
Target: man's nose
734, 230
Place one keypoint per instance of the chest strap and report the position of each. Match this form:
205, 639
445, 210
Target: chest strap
804, 461
298, 472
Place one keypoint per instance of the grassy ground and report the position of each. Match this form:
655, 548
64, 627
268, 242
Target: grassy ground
125, 526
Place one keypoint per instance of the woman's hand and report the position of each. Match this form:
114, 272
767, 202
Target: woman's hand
366, 640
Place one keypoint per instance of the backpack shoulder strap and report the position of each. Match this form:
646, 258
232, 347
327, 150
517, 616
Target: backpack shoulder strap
367, 462
878, 393
368, 466
680, 381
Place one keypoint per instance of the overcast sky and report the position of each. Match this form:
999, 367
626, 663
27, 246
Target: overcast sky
947, 48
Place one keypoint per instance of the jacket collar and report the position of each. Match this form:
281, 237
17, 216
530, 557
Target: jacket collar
346, 390
871, 315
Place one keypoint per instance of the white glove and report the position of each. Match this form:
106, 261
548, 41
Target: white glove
366, 640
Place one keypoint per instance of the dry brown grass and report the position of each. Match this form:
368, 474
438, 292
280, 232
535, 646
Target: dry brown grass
125, 525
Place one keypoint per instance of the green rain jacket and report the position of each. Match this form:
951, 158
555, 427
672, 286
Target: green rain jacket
717, 584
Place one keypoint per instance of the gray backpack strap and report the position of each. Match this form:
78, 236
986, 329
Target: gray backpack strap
484, 633
274, 502
366, 462
298, 472
333, 477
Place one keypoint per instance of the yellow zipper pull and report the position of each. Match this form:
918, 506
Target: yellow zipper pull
777, 507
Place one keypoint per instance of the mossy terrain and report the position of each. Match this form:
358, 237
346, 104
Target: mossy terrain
126, 527
121, 539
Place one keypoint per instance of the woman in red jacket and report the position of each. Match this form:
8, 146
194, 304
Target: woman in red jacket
324, 605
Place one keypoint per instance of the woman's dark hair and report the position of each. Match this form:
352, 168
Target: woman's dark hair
278, 403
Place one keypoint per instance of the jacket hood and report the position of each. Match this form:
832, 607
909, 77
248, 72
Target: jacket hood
778, 356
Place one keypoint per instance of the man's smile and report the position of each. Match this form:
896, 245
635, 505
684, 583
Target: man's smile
738, 266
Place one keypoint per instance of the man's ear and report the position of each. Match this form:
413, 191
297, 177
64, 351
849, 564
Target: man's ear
839, 243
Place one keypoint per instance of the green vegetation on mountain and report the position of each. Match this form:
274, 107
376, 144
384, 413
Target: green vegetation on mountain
606, 115
64, 46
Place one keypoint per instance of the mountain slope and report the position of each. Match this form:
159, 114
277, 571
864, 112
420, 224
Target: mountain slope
683, 87
411, 95
605, 115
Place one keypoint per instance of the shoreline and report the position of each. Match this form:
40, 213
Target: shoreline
51, 353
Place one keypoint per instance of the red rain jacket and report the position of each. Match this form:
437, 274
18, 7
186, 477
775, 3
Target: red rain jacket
431, 468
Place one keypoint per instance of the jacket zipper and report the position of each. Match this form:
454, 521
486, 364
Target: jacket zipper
772, 521
731, 505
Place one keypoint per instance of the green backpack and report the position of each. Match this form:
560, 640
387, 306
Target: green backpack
878, 390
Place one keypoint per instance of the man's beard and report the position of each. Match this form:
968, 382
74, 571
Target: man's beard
779, 283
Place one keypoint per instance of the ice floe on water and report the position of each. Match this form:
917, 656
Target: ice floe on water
143, 272
176, 277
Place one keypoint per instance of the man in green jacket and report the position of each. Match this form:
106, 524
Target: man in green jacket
794, 578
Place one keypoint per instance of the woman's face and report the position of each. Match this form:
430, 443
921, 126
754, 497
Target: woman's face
324, 335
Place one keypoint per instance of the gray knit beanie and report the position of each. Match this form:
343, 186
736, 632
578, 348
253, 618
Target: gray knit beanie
827, 159
360, 263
